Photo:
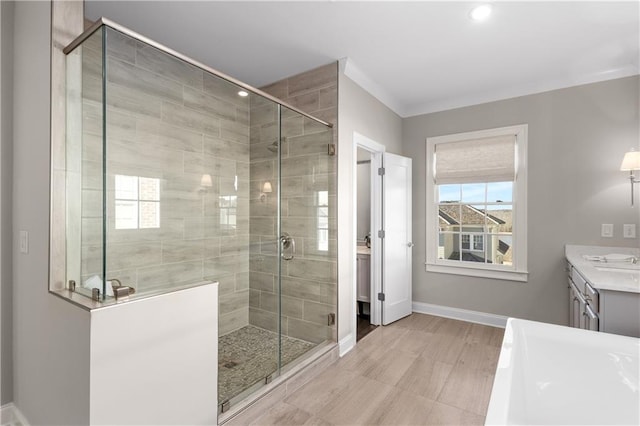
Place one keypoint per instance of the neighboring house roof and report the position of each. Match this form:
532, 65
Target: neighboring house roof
454, 214
448, 220
467, 257
503, 247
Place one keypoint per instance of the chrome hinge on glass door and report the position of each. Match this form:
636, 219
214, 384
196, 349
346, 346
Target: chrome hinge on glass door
288, 244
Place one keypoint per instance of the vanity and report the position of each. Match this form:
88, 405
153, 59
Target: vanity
604, 289
363, 277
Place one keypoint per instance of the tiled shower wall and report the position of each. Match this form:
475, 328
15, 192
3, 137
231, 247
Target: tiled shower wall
170, 121
309, 281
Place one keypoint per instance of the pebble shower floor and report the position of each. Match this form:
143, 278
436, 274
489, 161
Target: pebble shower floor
248, 355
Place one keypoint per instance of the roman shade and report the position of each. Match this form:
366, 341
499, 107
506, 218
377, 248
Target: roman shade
490, 159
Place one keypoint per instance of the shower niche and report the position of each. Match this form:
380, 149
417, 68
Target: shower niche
177, 176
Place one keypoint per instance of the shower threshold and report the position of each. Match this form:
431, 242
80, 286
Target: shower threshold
248, 357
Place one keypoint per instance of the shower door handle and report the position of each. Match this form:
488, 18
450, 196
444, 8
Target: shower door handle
288, 243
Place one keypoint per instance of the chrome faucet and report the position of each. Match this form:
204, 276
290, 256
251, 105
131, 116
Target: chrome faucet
120, 290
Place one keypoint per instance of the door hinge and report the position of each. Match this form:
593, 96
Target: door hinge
381, 171
331, 319
331, 149
381, 233
381, 297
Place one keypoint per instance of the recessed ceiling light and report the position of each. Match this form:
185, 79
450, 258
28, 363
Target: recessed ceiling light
480, 13
243, 93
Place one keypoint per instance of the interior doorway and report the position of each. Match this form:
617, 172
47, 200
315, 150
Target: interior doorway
382, 235
363, 244
367, 223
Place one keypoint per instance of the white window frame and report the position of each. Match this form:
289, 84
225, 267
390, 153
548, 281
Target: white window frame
516, 272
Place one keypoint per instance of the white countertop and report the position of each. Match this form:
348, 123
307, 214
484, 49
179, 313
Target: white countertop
611, 279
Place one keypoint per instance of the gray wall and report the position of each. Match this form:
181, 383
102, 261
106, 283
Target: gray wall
358, 111
577, 138
6, 157
50, 336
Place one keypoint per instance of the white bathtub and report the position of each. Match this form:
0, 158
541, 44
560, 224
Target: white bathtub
550, 374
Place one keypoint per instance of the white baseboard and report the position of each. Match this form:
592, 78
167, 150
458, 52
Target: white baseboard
10, 415
346, 344
460, 314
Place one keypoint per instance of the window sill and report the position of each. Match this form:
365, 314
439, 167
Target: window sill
477, 272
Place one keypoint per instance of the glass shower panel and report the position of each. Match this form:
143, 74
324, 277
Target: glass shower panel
308, 277
176, 175
84, 166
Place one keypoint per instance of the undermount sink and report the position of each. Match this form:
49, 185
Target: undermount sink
629, 269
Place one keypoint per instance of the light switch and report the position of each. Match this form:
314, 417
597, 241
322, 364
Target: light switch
629, 230
24, 242
607, 230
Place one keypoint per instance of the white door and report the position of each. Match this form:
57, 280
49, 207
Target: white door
397, 247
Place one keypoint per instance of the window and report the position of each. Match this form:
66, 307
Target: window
322, 202
228, 211
137, 202
476, 203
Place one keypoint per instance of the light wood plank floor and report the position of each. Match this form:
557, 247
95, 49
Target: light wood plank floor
421, 370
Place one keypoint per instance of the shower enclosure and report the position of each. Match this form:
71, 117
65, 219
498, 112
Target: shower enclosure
178, 175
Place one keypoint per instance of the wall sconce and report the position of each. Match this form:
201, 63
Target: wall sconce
631, 162
205, 183
266, 189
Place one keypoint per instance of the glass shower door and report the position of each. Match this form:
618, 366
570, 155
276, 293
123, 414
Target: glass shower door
308, 271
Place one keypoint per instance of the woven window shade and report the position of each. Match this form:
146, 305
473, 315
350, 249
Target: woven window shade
477, 160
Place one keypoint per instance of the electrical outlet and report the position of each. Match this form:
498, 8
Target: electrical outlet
607, 230
629, 230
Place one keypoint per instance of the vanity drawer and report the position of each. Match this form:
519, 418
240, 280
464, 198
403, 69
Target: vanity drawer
578, 280
592, 296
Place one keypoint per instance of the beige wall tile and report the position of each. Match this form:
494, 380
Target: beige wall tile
317, 312
312, 269
306, 102
233, 321
328, 97
200, 101
262, 281
192, 119
228, 303
169, 275
263, 319
226, 265
119, 46
308, 331
160, 63
264, 263
128, 75
224, 90
223, 148
313, 80
174, 251
136, 102
315, 143
169, 137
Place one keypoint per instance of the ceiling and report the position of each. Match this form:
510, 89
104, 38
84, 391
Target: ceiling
416, 57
